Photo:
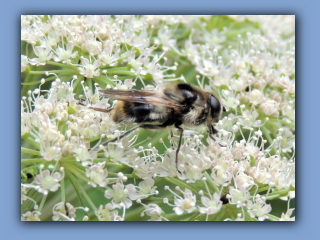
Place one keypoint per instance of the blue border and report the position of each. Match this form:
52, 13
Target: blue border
307, 58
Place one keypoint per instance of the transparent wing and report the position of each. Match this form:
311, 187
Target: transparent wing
139, 96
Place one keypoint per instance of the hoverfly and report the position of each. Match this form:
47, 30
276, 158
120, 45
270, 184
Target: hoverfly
172, 105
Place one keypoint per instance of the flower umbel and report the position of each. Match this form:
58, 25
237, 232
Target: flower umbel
68, 163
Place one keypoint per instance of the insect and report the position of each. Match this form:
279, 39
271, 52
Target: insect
173, 105
28, 174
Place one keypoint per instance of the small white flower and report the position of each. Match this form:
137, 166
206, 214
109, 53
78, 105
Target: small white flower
97, 175
286, 216
43, 53
154, 211
63, 211
211, 206
90, 70
30, 216
24, 63
237, 197
122, 194
185, 204
258, 208
146, 188
107, 213
270, 108
65, 54
48, 182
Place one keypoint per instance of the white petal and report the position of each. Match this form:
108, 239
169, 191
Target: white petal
127, 203
178, 210
108, 194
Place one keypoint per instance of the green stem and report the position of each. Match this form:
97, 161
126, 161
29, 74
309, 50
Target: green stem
43, 200
288, 124
94, 139
104, 80
62, 65
32, 142
272, 128
159, 199
30, 151
268, 137
181, 184
32, 161
116, 70
76, 171
109, 164
52, 78
211, 183
110, 174
31, 83
272, 217
263, 189
80, 191
63, 190
232, 33
248, 218
24, 89
276, 194
122, 72
51, 71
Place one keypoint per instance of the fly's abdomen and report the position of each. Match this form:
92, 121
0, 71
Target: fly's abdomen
142, 112
130, 112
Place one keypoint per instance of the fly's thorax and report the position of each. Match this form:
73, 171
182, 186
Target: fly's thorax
196, 115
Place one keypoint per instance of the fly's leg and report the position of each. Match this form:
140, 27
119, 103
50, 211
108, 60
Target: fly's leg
146, 126
121, 136
212, 131
171, 134
179, 145
82, 103
180, 139
101, 109
149, 126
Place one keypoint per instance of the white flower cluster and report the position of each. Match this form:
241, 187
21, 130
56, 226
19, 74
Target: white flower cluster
239, 176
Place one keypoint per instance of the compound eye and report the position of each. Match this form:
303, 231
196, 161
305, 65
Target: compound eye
215, 107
